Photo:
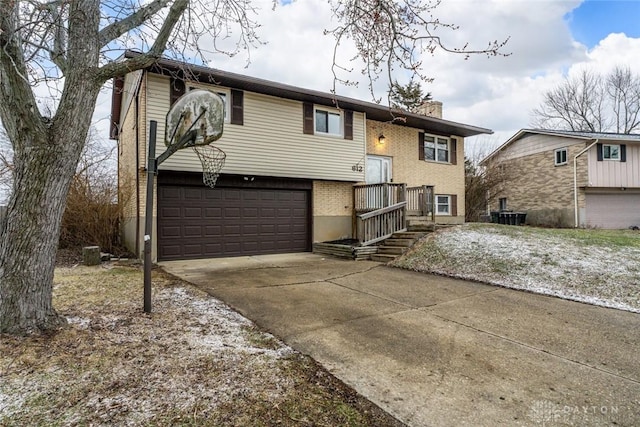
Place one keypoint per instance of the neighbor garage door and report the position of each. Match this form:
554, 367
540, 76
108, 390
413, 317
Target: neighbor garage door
201, 222
613, 211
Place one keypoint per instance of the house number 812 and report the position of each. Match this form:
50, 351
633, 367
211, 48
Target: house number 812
357, 168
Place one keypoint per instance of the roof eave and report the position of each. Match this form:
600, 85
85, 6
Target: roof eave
373, 111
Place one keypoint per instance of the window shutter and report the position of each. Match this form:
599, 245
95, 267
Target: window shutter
599, 151
453, 153
116, 101
623, 153
237, 107
307, 112
421, 146
348, 124
454, 205
177, 89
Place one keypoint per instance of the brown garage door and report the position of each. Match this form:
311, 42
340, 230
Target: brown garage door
201, 222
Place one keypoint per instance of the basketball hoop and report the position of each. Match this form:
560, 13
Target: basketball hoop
212, 159
195, 120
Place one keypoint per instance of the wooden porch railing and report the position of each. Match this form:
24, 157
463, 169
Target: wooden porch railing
420, 201
370, 197
377, 225
382, 209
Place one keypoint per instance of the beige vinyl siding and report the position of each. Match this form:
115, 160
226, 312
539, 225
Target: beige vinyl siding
610, 173
270, 143
157, 107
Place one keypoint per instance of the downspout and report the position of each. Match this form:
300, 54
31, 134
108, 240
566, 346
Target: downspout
575, 181
137, 172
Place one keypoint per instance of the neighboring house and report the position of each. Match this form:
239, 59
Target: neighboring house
567, 179
294, 157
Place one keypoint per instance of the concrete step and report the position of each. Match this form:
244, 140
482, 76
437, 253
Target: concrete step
383, 257
398, 242
418, 218
392, 250
408, 235
421, 227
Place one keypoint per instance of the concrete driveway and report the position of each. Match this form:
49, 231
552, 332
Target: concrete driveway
434, 351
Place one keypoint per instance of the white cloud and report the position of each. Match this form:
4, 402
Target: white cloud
497, 93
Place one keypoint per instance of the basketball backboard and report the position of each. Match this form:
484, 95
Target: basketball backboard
199, 113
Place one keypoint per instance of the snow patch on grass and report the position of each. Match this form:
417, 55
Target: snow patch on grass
542, 262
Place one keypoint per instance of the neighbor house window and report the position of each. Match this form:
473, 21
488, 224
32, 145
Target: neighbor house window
561, 156
610, 152
443, 205
436, 149
503, 203
328, 122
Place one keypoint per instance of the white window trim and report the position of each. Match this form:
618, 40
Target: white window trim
435, 153
612, 159
555, 156
448, 204
335, 111
219, 91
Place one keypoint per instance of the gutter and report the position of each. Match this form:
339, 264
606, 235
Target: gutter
575, 181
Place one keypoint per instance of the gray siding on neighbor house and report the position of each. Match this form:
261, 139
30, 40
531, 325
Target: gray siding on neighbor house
270, 142
613, 173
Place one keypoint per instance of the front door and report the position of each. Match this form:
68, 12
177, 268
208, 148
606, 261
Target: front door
378, 172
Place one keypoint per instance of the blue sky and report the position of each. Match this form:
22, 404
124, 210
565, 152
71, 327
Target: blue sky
593, 20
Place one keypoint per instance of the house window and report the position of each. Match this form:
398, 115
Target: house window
436, 149
328, 122
443, 205
503, 203
224, 94
610, 152
561, 156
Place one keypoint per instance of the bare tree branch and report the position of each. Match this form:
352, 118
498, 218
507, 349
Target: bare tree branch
394, 35
17, 102
593, 103
118, 28
114, 69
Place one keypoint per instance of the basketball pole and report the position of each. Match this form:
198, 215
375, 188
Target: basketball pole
148, 217
152, 170
212, 126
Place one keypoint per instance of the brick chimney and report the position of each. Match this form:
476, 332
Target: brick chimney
431, 109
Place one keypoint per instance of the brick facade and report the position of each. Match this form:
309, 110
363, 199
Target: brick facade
542, 189
401, 145
332, 198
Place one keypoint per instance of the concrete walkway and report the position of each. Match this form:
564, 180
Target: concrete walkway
434, 351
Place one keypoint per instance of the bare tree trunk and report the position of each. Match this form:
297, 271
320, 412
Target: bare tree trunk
28, 246
46, 152
30, 233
